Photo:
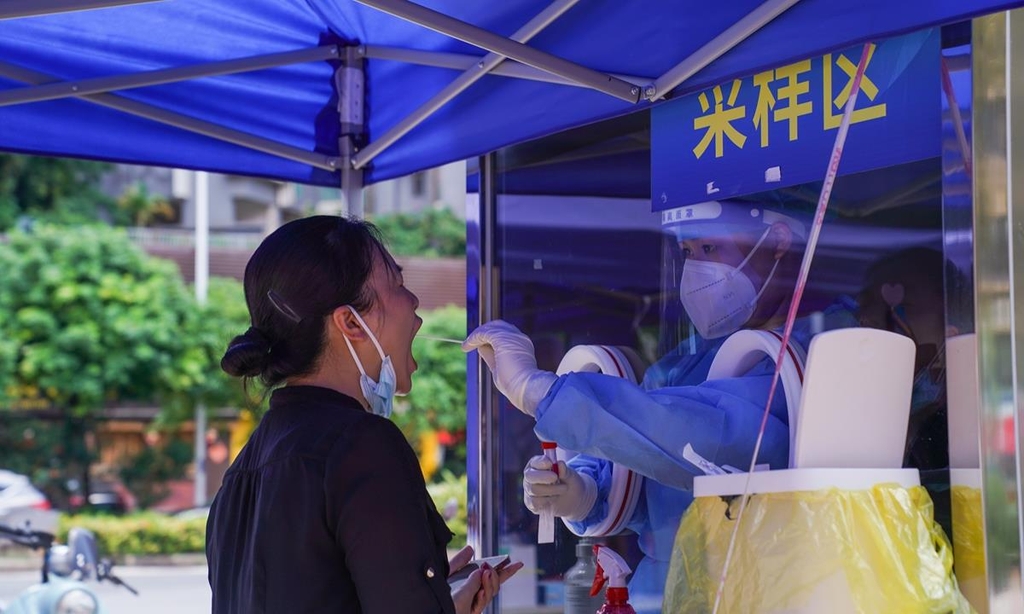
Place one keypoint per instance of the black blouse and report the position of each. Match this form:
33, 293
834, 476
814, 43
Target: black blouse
325, 510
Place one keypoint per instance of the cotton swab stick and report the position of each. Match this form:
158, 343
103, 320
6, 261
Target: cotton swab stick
444, 339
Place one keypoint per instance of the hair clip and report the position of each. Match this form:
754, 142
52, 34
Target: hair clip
282, 307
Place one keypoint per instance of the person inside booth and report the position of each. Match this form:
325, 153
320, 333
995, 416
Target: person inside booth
904, 293
740, 263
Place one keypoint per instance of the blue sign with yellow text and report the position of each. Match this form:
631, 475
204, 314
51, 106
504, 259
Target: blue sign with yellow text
777, 128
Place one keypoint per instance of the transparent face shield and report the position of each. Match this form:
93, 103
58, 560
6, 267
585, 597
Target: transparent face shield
676, 331
740, 228
677, 335
704, 304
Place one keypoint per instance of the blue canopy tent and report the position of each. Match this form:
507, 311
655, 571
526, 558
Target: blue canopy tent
335, 92
345, 93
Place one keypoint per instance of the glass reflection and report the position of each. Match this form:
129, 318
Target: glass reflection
996, 42
964, 411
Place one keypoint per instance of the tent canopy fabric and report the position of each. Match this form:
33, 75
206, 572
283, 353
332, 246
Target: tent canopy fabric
297, 104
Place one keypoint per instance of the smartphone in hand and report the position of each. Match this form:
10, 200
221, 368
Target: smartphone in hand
459, 577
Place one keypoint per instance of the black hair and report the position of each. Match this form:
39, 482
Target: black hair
294, 280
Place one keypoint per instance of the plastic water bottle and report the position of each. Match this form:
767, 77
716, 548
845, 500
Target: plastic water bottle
578, 580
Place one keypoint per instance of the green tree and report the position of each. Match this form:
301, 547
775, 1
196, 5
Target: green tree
61, 190
438, 398
450, 493
435, 232
137, 206
199, 376
88, 319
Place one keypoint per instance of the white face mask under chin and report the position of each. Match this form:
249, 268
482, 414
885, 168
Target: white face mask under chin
379, 395
719, 298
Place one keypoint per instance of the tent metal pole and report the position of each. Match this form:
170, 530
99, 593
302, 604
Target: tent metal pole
500, 45
177, 120
488, 419
67, 89
716, 47
352, 188
437, 59
440, 59
533, 27
350, 83
201, 277
13, 9
465, 61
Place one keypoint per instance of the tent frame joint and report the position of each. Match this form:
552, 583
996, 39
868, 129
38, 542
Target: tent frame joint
473, 71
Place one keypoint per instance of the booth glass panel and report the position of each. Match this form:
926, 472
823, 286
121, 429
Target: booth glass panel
571, 252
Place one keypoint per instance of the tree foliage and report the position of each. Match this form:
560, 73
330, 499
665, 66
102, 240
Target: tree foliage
437, 403
435, 232
139, 534
438, 397
137, 206
208, 331
87, 318
61, 190
450, 493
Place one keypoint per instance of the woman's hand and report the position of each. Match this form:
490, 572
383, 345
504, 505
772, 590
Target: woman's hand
472, 596
461, 558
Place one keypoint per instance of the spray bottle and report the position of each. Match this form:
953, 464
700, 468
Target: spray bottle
612, 569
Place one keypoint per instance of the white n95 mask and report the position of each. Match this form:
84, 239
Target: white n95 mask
718, 298
380, 395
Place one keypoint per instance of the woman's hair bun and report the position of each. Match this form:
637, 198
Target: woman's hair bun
247, 354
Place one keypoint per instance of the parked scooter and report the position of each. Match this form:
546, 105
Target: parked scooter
71, 565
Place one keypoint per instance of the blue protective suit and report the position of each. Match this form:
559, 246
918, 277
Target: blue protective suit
646, 428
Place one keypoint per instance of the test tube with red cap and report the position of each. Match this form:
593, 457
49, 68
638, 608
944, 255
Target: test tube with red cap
546, 525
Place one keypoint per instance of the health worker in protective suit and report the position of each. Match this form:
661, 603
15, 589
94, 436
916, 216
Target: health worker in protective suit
740, 265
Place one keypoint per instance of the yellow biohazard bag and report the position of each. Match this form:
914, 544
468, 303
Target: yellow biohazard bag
836, 551
969, 545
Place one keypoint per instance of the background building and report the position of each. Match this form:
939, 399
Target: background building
255, 205
245, 209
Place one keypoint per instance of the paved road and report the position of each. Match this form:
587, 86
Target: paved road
162, 590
